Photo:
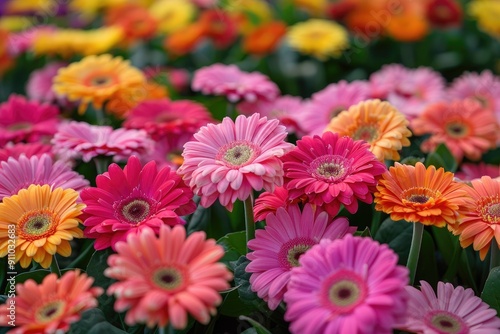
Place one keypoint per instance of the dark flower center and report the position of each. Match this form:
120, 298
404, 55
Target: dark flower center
50, 311
367, 133
330, 168
136, 210
421, 199
238, 154
456, 129
34, 224
292, 250
343, 291
169, 278
445, 322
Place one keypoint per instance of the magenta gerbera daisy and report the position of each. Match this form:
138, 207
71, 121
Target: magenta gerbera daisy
227, 161
17, 174
329, 102
332, 171
233, 83
80, 140
287, 236
349, 285
453, 310
28, 149
126, 201
28, 121
164, 117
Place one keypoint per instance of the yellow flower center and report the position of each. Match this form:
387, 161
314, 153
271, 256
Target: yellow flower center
489, 209
136, 210
343, 291
37, 224
169, 278
367, 133
20, 126
330, 168
445, 322
238, 153
418, 196
457, 129
421, 199
50, 311
291, 251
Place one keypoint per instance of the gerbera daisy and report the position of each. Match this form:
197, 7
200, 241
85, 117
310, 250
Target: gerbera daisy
29, 121
453, 310
127, 201
20, 173
186, 40
53, 305
167, 151
227, 161
483, 87
444, 13
172, 15
376, 122
219, 26
349, 285
479, 226
136, 22
22, 41
318, 38
160, 118
80, 140
28, 149
287, 236
39, 86
163, 279
470, 171
420, 195
486, 13
265, 38
46, 220
94, 79
269, 202
464, 126
332, 171
387, 79
236, 85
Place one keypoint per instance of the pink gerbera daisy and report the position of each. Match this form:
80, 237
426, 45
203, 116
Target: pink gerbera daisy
329, 102
80, 140
483, 87
127, 201
39, 86
167, 151
269, 202
20, 173
29, 121
470, 171
285, 108
163, 117
163, 279
22, 41
233, 83
227, 161
453, 310
287, 236
386, 80
349, 285
332, 171
28, 149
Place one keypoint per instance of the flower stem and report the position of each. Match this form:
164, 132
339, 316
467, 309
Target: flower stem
375, 222
161, 330
54, 266
101, 164
249, 223
99, 116
230, 109
416, 241
495, 255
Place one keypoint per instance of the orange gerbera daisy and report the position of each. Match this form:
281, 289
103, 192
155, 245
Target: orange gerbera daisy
45, 221
464, 126
420, 195
53, 305
265, 38
94, 79
184, 41
481, 223
136, 21
376, 122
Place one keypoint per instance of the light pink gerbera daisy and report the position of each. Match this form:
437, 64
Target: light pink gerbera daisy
285, 108
453, 310
80, 140
483, 87
227, 161
28, 149
163, 117
332, 171
39, 86
163, 279
349, 285
28, 121
329, 102
470, 171
20, 173
386, 80
287, 236
233, 83
127, 201
167, 151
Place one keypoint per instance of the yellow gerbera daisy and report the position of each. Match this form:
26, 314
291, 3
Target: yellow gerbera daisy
172, 15
250, 14
318, 38
378, 123
94, 79
486, 12
44, 221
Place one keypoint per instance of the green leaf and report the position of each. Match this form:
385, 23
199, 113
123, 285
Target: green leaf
446, 242
234, 246
427, 269
442, 157
491, 291
105, 327
398, 236
233, 306
434, 159
364, 233
258, 327
89, 318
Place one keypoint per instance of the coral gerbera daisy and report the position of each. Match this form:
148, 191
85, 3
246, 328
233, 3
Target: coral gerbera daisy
235, 84
287, 236
480, 224
163, 279
53, 305
376, 122
29, 121
46, 220
420, 195
126, 201
349, 285
227, 161
94, 79
332, 171
20, 173
452, 310
269, 202
80, 140
464, 126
